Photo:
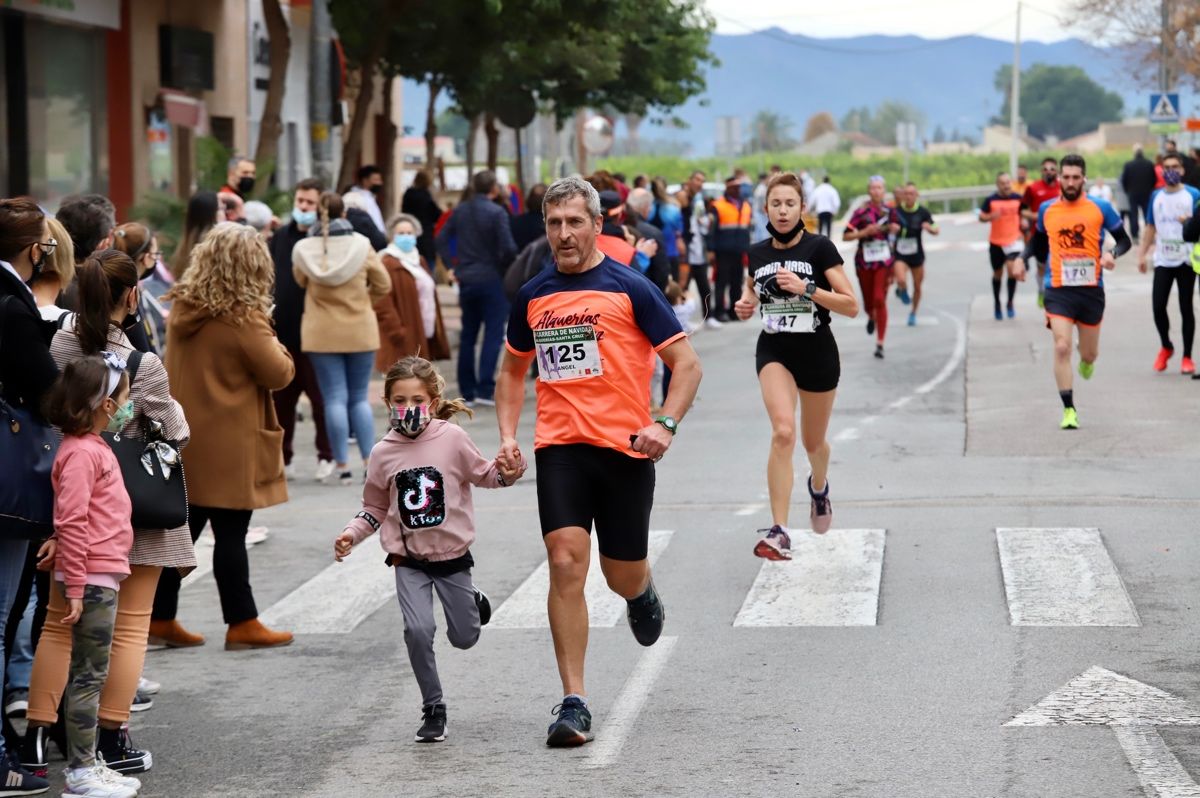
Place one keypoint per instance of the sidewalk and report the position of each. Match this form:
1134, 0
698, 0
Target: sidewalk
1127, 409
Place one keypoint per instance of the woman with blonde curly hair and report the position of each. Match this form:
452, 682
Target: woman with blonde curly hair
224, 360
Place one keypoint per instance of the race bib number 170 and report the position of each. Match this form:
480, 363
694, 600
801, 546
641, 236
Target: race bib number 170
567, 353
1078, 271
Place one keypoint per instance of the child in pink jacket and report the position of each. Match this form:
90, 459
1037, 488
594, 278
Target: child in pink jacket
418, 498
89, 552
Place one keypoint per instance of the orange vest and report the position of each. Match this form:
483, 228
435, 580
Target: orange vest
730, 215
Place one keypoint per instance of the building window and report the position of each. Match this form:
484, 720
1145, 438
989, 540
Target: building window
68, 119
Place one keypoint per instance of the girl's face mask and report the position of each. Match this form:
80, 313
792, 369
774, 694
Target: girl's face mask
410, 421
122, 416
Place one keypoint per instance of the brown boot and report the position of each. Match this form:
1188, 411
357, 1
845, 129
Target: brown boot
252, 634
172, 635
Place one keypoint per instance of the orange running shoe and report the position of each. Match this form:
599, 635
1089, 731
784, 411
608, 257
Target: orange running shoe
1160, 362
1187, 366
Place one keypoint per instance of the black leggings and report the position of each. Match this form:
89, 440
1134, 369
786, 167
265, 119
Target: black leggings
1164, 278
231, 566
699, 273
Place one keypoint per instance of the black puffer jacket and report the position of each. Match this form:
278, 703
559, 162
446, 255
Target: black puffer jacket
26, 369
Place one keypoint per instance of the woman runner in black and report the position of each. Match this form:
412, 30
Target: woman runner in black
915, 219
797, 278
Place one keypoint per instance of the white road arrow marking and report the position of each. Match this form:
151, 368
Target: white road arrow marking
1099, 697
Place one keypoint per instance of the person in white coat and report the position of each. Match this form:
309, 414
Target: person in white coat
825, 202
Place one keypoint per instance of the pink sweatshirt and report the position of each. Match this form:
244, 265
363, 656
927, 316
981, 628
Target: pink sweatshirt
418, 493
91, 512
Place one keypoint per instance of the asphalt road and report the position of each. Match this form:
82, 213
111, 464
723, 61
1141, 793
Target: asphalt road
936, 641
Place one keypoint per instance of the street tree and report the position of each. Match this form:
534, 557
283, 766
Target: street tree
770, 132
881, 125
270, 127
1137, 28
818, 125
1058, 100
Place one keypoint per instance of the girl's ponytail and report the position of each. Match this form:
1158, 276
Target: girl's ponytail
104, 277
418, 367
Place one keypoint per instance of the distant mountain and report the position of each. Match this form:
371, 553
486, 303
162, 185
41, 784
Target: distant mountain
949, 79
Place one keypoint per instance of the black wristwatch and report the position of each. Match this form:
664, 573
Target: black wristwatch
669, 424
810, 289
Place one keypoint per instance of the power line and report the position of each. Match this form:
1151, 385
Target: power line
811, 44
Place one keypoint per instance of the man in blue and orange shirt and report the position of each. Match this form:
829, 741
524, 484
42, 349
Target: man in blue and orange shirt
1005, 244
1070, 231
594, 326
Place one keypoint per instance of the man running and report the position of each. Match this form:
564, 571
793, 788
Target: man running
593, 326
1070, 238
870, 226
1005, 244
1040, 191
910, 251
1169, 209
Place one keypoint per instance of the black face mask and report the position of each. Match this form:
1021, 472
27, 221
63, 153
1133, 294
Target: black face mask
784, 238
375, 189
245, 185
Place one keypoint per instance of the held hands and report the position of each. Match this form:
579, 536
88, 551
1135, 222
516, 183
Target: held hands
509, 473
342, 546
509, 459
45, 555
74, 613
652, 441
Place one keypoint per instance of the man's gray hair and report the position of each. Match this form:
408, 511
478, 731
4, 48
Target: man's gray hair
640, 201
236, 161
566, 188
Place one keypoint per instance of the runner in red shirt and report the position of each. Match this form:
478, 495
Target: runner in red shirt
1040, 191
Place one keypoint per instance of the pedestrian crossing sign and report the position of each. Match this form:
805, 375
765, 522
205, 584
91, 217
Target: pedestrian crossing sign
1164, 108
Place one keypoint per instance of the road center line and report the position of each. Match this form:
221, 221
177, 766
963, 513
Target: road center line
625, 710
951, 365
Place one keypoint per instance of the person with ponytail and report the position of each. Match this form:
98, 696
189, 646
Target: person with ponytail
203, 211
139, 243
108, 290
796, 279
342, 278
418, 498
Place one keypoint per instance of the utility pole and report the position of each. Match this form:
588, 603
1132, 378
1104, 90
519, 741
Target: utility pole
1014, 110
320, 98
1164, 71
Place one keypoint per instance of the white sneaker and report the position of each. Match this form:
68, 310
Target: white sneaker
148, 687
486, 402
324, 470
117, 778
256, 535
712, 323
94, 782
289, 471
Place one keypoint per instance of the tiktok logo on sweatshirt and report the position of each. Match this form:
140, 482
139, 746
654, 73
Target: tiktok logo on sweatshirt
421, 497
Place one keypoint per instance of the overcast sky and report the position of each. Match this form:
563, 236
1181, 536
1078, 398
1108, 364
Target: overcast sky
934, 19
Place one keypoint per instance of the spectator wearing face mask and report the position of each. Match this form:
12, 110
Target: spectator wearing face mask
239, 179
409, 316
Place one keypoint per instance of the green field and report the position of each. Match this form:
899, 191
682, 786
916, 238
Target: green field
849, 175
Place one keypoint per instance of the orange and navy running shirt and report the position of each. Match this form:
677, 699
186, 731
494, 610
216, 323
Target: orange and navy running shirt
1006, 225
594, 335
1075, 231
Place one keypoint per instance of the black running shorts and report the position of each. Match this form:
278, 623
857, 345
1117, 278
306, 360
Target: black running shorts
812, 358
999, 257
1080, 304
578, 484
912, 261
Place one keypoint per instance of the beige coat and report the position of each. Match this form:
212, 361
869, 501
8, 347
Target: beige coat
341, 285
222, 372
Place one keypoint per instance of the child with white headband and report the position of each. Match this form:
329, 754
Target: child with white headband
89, 553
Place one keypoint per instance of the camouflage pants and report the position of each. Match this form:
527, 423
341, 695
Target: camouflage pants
91, 641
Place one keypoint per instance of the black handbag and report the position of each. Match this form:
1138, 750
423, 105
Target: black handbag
27, 449
152, 470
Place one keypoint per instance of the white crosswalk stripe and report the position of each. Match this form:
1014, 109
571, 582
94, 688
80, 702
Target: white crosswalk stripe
831, 580
1062, 577
526, 607
339, 598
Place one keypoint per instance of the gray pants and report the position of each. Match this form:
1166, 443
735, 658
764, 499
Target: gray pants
457, 593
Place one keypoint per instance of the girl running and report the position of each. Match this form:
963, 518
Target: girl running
89, 552
797, 278
418, 497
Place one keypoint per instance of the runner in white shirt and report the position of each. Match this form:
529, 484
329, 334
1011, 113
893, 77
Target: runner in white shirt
1166, 213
